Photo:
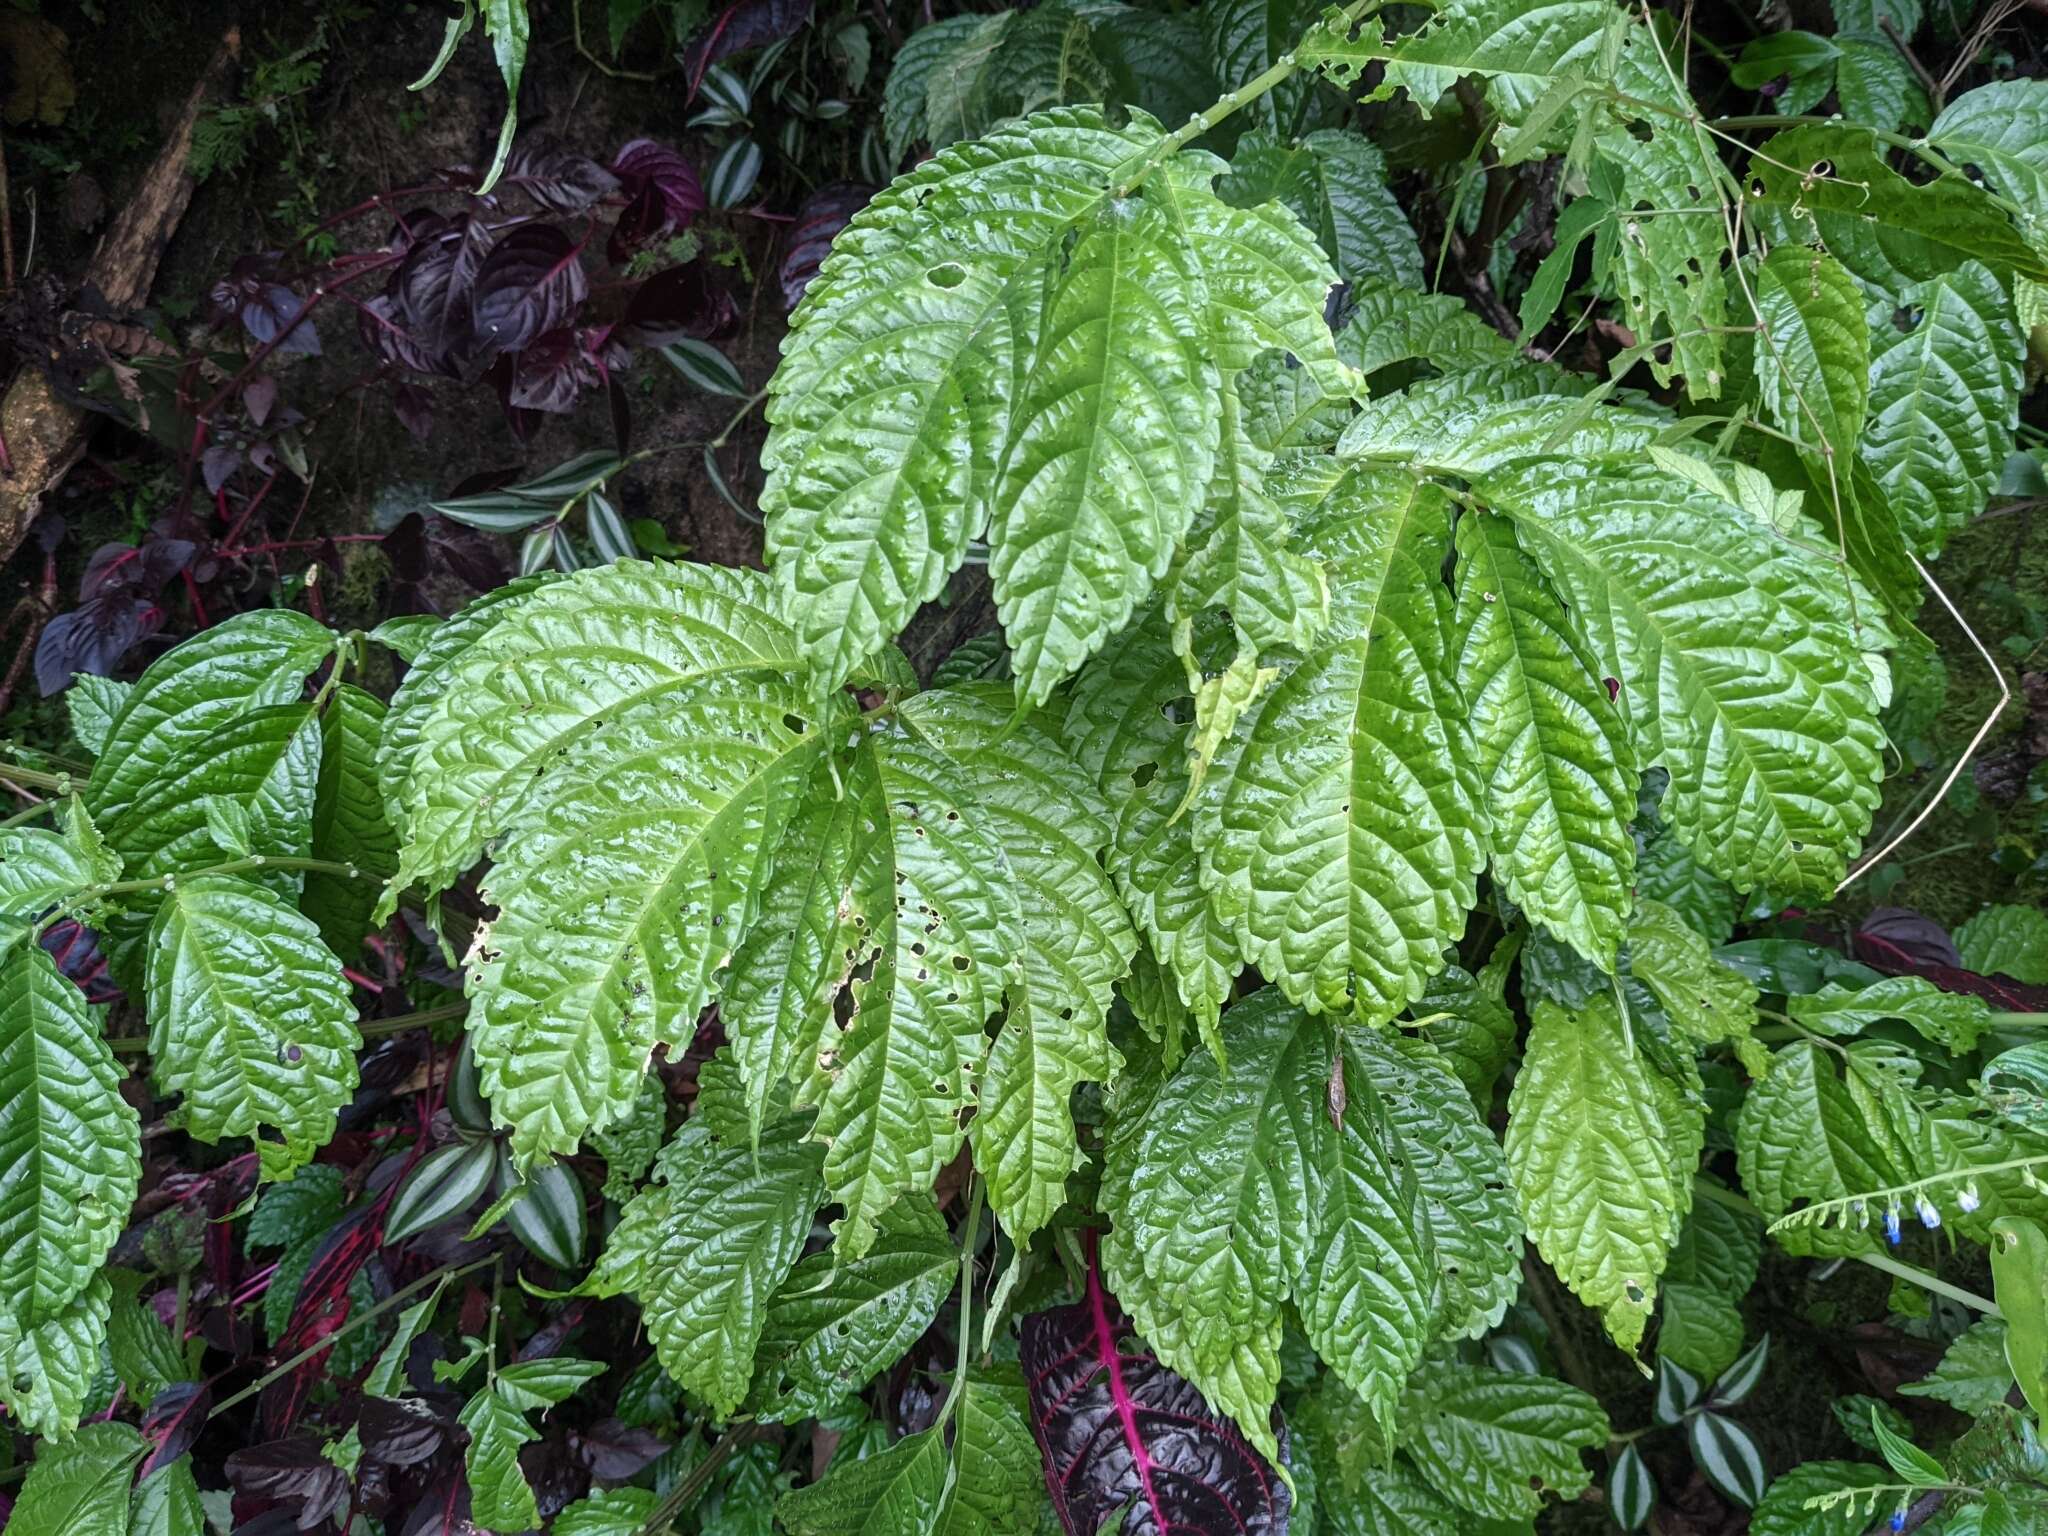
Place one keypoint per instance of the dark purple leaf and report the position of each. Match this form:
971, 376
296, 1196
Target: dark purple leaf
742, 25
558, 179
173, 1420
1116, 1428
414, 408
434, 288
681, 301
76, 949
614, 1451
92, 637
384, 332
272, 1522
823, 214
644, 220
1910, 936
531, 282
291, 1472
143, 567
259, 395
217, 464
523, 421
271, 310
647, 163
443, 1510
403, 1433
551, 372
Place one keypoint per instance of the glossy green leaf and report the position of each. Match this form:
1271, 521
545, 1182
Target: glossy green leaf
998, 1481
94, 701
613, 1512
1707, 1001
166, 1503
70, 1145
248, 662
1602, 1148
1040, 808
705, 1247
39, 868
250, 1018
1341, 829
1974, 1375
1336, 183
2007, 941
1371, 1275
1557, 764
898, 1491
500, 1497
1494, 1443
79, 1487
349, 825
1461, 1175
2019, 1274
1774, 759
931, 904
145, 1357
2002, 129
1784, 1509
48, 1372
1801, 1138
1710, 1272
1953, 1019
1210, 1182
834, 1322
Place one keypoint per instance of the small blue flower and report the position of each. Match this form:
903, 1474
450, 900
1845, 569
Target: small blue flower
1968, 1198
1898, 1519
1926, 1210
1891, 1225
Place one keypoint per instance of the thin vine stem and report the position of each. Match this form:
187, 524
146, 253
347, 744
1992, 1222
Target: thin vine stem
1707, 1189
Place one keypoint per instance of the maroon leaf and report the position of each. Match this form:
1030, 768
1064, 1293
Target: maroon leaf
615, 1451
531, 282
648, 163
1116, 1428
558, 179
742, 25
1901, 942
435, 286
644, 220
681, 301
823, 214
291, 1472
173, 1420
269, 311
550, 372
403, 1433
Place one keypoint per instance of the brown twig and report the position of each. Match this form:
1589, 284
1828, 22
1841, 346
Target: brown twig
1936, 94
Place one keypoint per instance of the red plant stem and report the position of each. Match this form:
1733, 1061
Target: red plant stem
198, 605
249, 511
287, 546
1112, 1361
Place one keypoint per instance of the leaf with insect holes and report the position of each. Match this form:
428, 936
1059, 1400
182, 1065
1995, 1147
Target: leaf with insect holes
1039, 807
250, 1018
79, 1485
1494, 1442
1341, 828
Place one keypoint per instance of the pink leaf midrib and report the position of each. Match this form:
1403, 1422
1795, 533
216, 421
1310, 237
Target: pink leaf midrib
1126, 1410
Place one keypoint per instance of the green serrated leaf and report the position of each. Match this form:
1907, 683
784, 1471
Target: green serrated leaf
166, 1503
1335, 181
998, 1481
1556, 761
500, 1497
80, 1485
834, 1322
898, 1491
1769, 784
1209, 1182
1787, 1508
1602, 1149
145, 1357
1494, 1443
71, 1146
2007, 941
250, 1017
47, 1372
94, 702
705, 1247
1953, 1019
1340, 830
349, 825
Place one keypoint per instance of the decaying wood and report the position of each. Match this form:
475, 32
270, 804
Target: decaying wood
45, 435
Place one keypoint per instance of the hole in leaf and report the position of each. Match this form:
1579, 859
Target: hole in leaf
949, 275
